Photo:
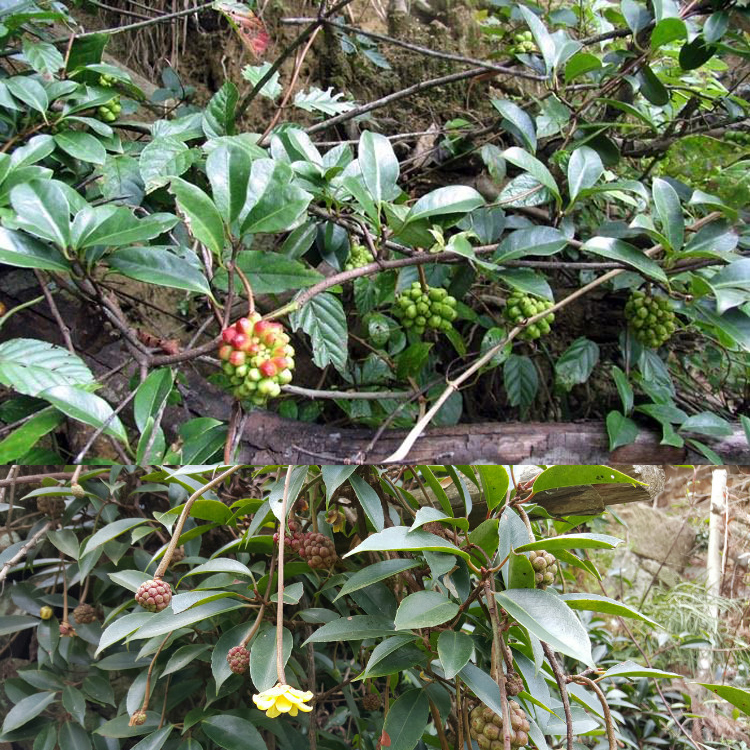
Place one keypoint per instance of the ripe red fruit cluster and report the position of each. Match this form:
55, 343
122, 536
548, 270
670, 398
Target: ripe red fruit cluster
315, 548
154, 595
257, 358
238, 659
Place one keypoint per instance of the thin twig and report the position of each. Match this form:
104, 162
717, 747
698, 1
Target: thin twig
24, 550
280, 590
560, 679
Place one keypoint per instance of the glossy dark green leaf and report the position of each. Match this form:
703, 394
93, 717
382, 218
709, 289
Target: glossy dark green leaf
85, 407
323, 319
29, 91
734, 695
201, 215
495, 482
425, 609
573, 476
524, 160
652, 88
668, 30
605, 605
580, 64
379, 166
43, 210
73, 737
82, 146
669, 211
21, 250
584, 170
521, 380
550, 620
397, 538
446, 201
269, 273
697, 53
219, 114
353, 628
232, 733
374, 573
151, 394
381, 661
522, 124
228, 169
27, 709
157, 265
24, 438
407, 719
576, 363
624, 252
369, 501
156, 740
454, 649
263, 658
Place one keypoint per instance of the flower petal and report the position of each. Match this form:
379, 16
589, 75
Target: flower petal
263, 702
283, 704
293, 711
272, 712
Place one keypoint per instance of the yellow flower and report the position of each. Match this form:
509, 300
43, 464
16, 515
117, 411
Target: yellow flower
282, 699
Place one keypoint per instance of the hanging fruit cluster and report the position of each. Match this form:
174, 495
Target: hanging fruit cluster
53, 507
420, 308
313, 547
545, 567
238, 659
154, 595
520, 307
257, 358
85, 614
487, 727
110, 111
359, 256
650, 318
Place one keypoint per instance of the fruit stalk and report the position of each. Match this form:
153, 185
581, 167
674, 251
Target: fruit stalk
162, 569
280, 591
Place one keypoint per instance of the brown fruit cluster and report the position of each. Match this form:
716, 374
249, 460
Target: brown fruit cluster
514, 683
53, 507
238, 659
437, 528
178, 556
84, 614
545, 567
154, 595
487, 727
315, 548
371, 702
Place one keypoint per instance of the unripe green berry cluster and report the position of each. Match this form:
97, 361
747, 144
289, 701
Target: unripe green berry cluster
359, 256
650, 318
523, 42
486, 727
545, 567
520, 307
257, 358
110, 111
421, 308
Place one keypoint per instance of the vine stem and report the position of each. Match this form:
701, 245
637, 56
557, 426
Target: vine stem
162, 569
560, 679
280, 591
497, 650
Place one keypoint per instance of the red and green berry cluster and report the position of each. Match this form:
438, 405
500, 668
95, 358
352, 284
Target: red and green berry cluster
520, 307
420, 308
257, 358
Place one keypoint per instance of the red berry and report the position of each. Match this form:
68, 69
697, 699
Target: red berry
281, 363
244, 325
237, 358
238, 659
228, 335
225, 351
267, 368
262, 326
241, 341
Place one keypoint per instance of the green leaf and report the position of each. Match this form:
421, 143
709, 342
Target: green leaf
201, 215
25, 437
652, 88
273, 203
524, 160
30, 366
219, 114
232, 733
29, 91
392, 655
668, 30
584, 170
43, 210
379, 166
162, 159
26, 710
85, 407
621, 429
110, 531
572, 541
669, 210
424, 609
151, 394
156, 740
707, 423
483, 686
263, 658
73, 737
81, 146
624, 252
20, 250
520, 379
317, 100
550, 620
697, 53
542, 37
374, 573
731, 285
454, 649
334, 477
119, 179
74, 703
576, 363
452, 201
623, 388
407, 719
736, 696
156, 264
115, 226
369, 501
323, 319
572, 476
13, 623
631, 669
495, 483
521, 123
397, 538
353, 628
605, 605
42, 56
269, 273
228, 169
253, 73
580, 64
